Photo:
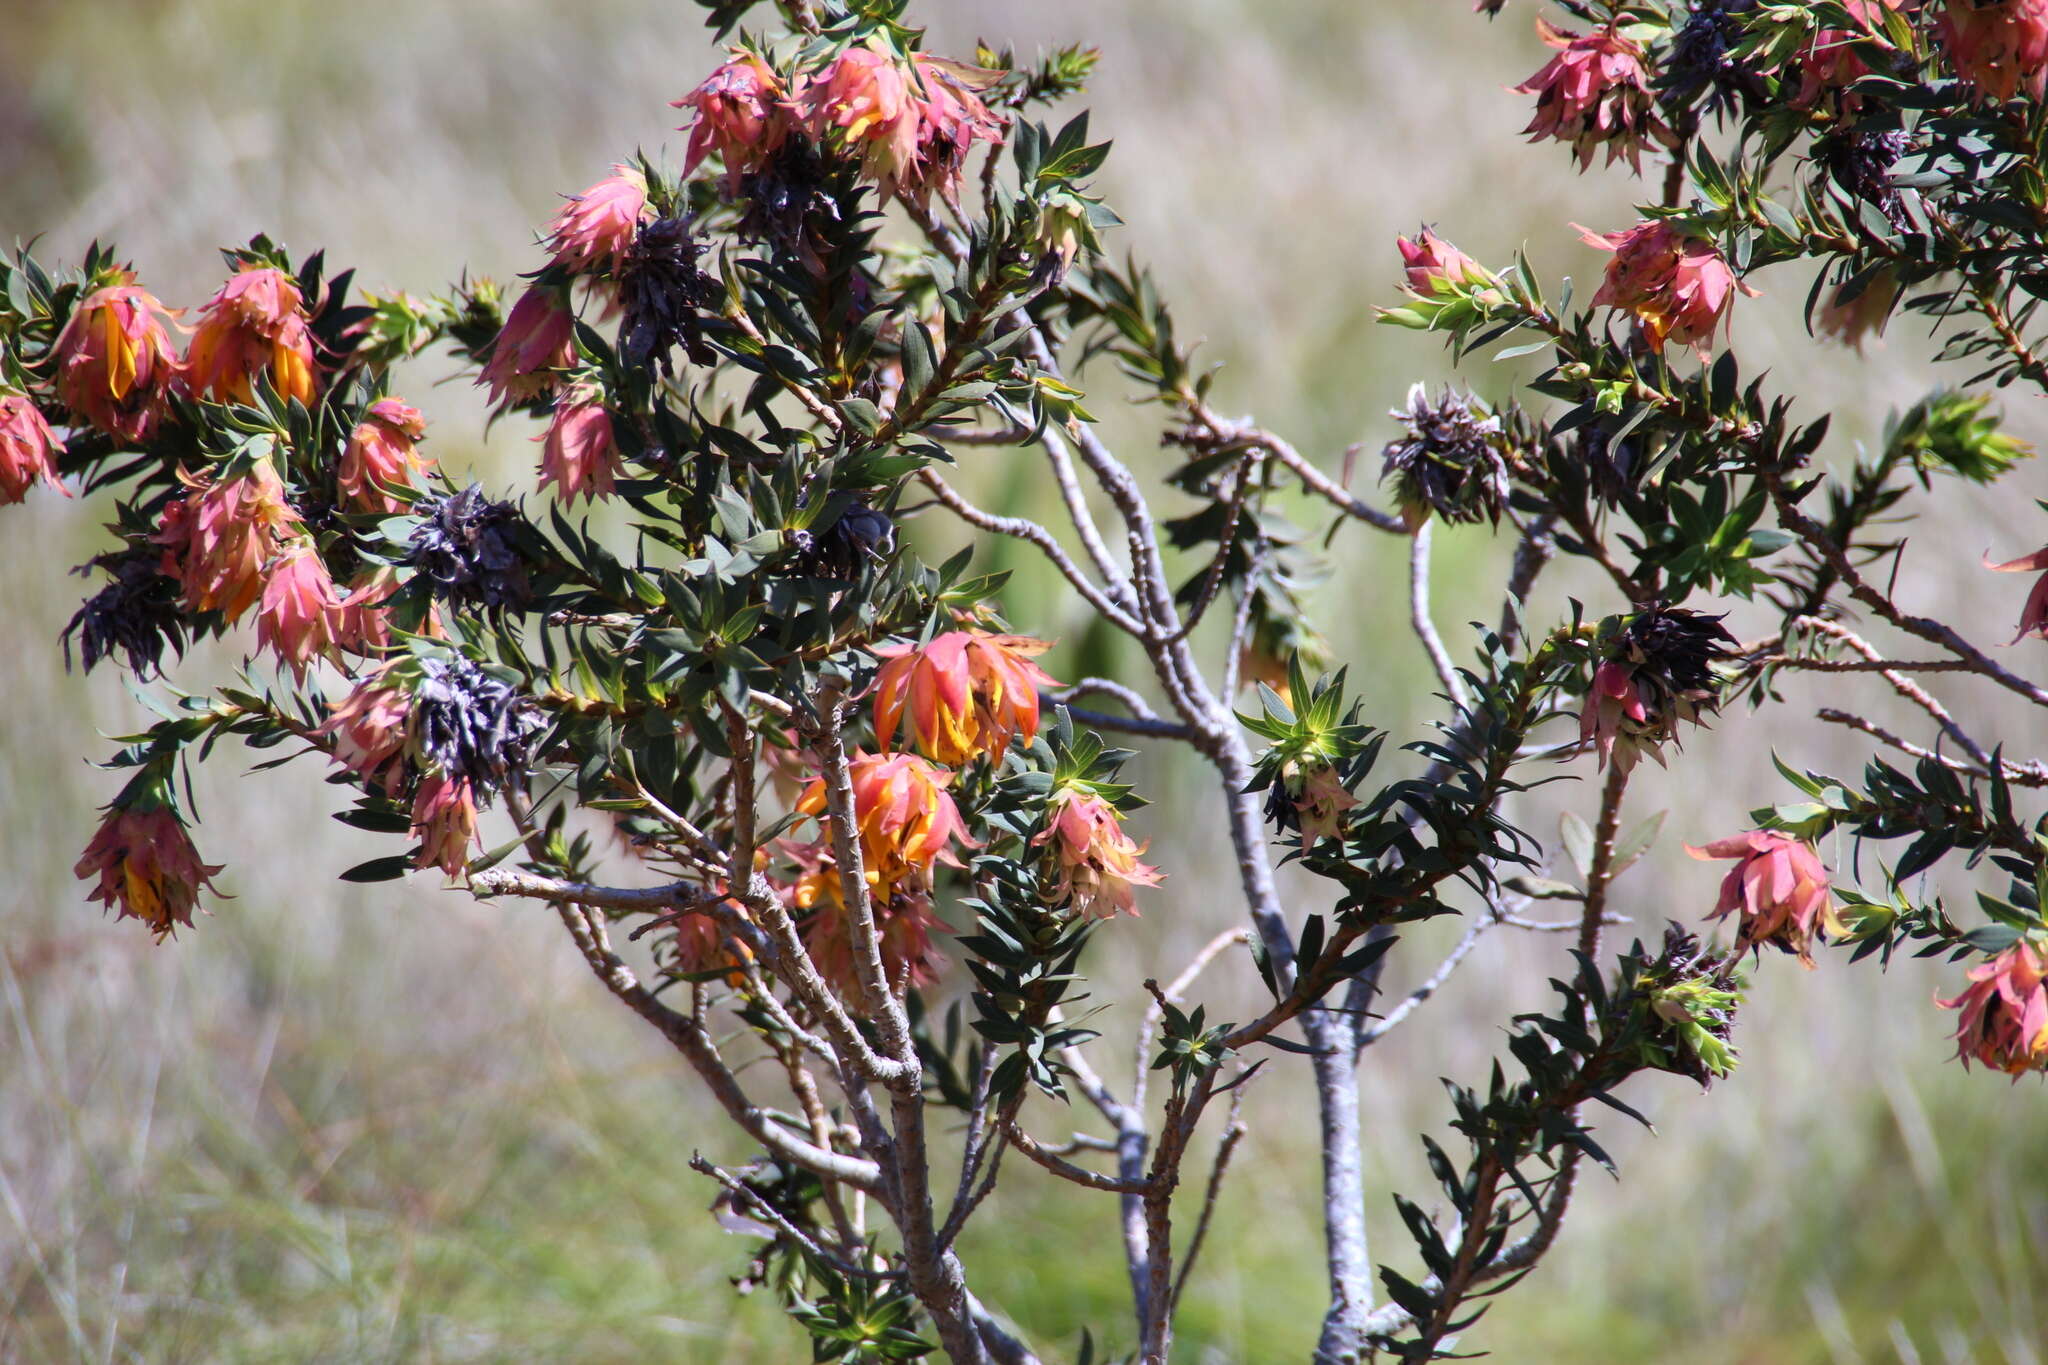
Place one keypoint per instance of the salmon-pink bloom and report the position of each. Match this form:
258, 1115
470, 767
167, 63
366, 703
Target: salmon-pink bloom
906, 818
578, 452
383, 453
1432, 263
28, 449
2005, 1012
1612, 700
912, 127
1320, 801
301, 611
1780, 887
1678, 287
539, 338
595, 228
1095, 862
740, 114
220, 536
369, 728
952, 117
147, 868
1998, 48
904, 921
255, 325
2034, 615
1853, 321
968, 693
444, 821
363, 622
1595, 92
114, 361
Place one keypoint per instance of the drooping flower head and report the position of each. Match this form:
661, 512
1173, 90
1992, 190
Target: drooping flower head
383, 453
300, 612
1678, 287
1095, 864
537, 342
967, 693
365, 625
594, 229
1655, 671
146, 867
579, 454
903, 915
2004, 1021
1851, 320
1998, 48
219, 538
1433, 266
135, 615
906, 817
28, 449
444, 821
1595, 92
370, 727
1447, 460
114, 361
255, 326
912, 124
952, 117
468, 546
2034, 615
1780, 887
1309, 797
740, 114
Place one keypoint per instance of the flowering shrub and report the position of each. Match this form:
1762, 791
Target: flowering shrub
874, 838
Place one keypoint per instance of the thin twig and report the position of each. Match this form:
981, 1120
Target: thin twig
1425, 629
1233, 1133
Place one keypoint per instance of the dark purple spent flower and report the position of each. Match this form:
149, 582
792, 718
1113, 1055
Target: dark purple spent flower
474, 725
664, 298
1860, 160
1448, 459
136, 615
782, 195
1701, 61
1675, 649
468, 546
1611, 466
860, 536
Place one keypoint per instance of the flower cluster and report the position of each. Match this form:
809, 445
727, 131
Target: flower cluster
1448, 459
1656, 670
2004, 1022
1678, 287
1780, 888
255, 327
146, 866
1595, 92
967, 693
740, 113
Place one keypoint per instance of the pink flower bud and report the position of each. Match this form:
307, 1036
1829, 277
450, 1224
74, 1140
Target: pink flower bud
578, 452
255, 326
444, 821
538, 339
1595, 92
382, 453
114, 361
301, 611
1998, 48
1677, 286
2004, 1022
1431, 262
740, 114
595, 228
28, 449
147, 868
1780, 887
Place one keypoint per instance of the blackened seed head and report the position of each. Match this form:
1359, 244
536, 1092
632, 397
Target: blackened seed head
473, 725
467, 545
1448, 457
136, 615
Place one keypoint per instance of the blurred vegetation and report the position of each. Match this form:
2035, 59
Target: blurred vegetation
335, 1124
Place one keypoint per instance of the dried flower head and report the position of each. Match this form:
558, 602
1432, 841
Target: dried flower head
1703, 57
114, 361
859, 537
468, 547
136, 615
1448, 459
1595, 92
740, 114
2004, 1021
383, 454
1678, 287
579, 454
1094, 863
1781, 888
967, 693
664, 298
1654, 672
595, 228
472, 724
147, 867
28, 449
255, 327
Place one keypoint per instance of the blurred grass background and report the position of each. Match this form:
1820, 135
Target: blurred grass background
366, 1125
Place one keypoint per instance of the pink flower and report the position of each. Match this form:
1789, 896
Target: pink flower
369, 728
904, 921
1852, 322
740, 114
594, 229
1095, 862
912, 127
382, 453
952, 117
578, 452
1320, 801
147, 868
219, 537
363, 622
2034, 615
1595, 91
2005, 1012
301, 611
28, 449
539, 337
905, 816
1779, 886
444, 821
1431, 263
1613, 699
1999, 47
114, 361
1829, 62
1678, 287
967, 693
255, 325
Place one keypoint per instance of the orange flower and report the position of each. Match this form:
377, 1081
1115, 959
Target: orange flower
369, 729
1780, 887
382, 453
906, 818
904, 921
968, 693
594, 229
219, 537
1097, 862
444, 821
114, 361
740, 114
28, 449
147, 868
2005, 1012
300, 613
255, 325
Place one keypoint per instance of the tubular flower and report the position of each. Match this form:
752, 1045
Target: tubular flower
538, 338
968, 693
906, 818
913, 127
904, 921
28, 449
1780, 887
1095, 862
740, 114
952, 117
579, 454
1997, 48
595, 228
1595, 91
2034, 615
147, 868
382, 453
444, 821
1657, 670
369, 728
2004, 1023
301, 613
1678, 287
219, 537
255, 325
1432, 264
114, 361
